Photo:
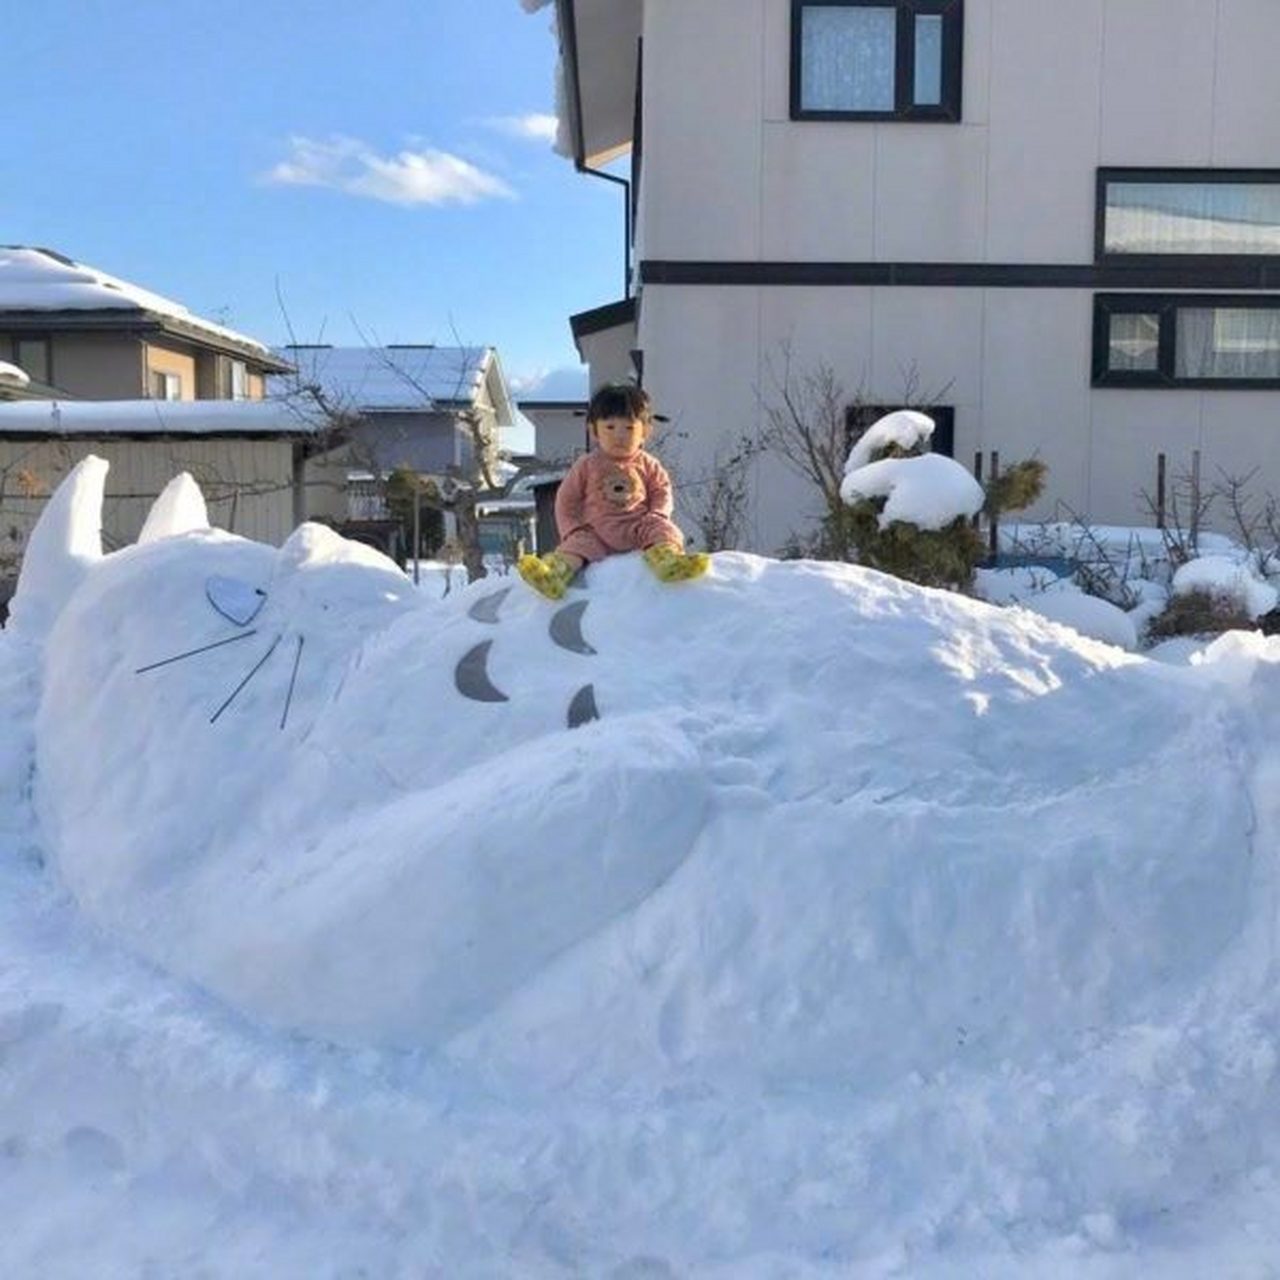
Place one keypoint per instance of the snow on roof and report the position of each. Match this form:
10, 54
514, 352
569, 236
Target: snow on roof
393, 378
153, 417
41, 280
14, 376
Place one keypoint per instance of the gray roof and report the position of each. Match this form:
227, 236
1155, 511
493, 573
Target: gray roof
391, 379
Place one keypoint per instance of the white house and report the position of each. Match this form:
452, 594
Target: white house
1059, 222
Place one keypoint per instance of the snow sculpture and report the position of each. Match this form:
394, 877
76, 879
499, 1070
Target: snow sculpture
709, 824
65, 543
179, 509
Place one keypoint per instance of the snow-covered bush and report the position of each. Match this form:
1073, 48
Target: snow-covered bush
910, 512
1199, 612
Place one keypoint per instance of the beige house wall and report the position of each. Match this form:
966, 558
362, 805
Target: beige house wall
167, 360
247, 484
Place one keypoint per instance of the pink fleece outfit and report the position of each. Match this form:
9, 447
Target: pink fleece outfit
605, 506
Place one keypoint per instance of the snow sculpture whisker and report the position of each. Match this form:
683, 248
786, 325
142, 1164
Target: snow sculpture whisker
253, 671
191, 653
293, 676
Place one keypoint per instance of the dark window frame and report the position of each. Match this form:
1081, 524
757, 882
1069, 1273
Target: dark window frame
1166, 306
947, 111
1210, 177
943, 415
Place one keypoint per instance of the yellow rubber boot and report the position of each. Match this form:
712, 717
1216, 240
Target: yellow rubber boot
670, 565
548, 575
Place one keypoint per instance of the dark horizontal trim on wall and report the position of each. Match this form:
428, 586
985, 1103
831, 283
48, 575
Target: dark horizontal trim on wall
966, 275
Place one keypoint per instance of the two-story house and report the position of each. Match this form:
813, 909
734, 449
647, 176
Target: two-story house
427, 409
1056, 224
90, 363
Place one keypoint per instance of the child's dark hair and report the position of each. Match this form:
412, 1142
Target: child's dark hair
620, 400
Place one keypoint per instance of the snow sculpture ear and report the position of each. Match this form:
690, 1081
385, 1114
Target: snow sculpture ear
179, 509
65, 544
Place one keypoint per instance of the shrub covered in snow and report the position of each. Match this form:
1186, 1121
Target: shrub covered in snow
911, 512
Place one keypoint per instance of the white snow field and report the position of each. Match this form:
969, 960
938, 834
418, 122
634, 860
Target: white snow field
855, 929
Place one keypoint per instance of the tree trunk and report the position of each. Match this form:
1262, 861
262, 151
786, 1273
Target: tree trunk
464, 510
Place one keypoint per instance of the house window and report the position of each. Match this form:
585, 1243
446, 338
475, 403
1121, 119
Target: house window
31, 355
1186, 340
1188, 213
871, 60
165, 386
237, 380
858, 417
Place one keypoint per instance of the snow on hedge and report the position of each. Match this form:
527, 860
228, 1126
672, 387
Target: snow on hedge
1226, 576
929, 491
906, 428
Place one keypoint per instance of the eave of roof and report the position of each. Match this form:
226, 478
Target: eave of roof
131, 320
612, 315
600, 119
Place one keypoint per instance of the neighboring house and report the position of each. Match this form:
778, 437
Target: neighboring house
557, 407
415, 407
92, 364
1057, 223
81, 334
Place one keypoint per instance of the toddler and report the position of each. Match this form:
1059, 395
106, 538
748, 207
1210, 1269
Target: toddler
616, 498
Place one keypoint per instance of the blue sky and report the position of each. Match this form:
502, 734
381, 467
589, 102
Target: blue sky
385, 161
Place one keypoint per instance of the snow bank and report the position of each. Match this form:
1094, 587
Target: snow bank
1087, 614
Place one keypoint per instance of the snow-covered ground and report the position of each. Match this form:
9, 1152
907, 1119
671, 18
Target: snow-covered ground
864, 931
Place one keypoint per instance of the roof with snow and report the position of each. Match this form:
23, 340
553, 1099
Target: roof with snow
94, 419
45, 288
398, 379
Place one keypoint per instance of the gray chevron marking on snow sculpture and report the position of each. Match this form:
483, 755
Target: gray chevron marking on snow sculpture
486, 608
566, 627
583, 708
471, 675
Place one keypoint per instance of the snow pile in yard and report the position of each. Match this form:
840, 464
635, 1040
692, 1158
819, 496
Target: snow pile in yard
1225, 576
867, 930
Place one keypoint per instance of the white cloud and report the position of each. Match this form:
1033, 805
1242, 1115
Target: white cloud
426, 176
534, 126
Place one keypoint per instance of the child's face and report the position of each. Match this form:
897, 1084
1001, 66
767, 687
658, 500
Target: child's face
620, 437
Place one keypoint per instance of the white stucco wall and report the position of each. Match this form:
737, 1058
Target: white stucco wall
1013, 363
1050, 93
